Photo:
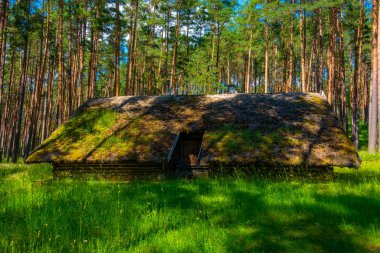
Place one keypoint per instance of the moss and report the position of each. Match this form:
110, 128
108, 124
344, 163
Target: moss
317, 100
285, 129
229, 142
79, 135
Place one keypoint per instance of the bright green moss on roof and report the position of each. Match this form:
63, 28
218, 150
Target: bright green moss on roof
75, 139
288, 129
229, 143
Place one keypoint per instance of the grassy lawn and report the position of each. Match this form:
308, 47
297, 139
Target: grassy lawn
340, 214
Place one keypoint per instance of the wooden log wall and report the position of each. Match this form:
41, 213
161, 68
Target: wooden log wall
130, 171
272, 170
126, 171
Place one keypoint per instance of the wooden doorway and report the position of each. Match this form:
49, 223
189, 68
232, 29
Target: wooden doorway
187, 153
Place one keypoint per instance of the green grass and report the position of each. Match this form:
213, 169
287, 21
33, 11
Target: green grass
40, 214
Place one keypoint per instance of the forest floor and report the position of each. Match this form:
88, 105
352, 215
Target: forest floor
235, 214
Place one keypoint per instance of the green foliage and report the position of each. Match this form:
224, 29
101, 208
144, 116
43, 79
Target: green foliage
200, 75
39, 213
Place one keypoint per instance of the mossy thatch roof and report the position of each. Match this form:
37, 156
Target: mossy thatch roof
280, 129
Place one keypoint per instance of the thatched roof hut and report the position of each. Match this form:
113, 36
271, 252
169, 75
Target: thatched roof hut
181, 132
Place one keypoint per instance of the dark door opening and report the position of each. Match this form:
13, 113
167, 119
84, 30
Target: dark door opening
186, 154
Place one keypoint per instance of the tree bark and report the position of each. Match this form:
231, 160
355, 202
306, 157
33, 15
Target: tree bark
166, 64
69, 86
228, 75
6, 124
173, 81
36, 102
373, 100
3, 44
160, 90
320, 51
291, 56
151, 76
266, 57
378, 74
275, 67
364, 104
83, 35
60, 64
117, 50
331, 56
248, 74
92, 71
342, 73
21, 96
303, 50
135, 34
355, 86
128, 78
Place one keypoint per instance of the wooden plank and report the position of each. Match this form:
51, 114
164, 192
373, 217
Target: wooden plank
125, 171
172, 148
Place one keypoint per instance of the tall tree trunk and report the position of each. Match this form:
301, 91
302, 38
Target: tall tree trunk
266, 57
331, 56
218, 68
244, 74
228, 75
48, 103
291, 56
60, 64
83, 35
173, 81
152, 76
13, 114
167, 28
248, 74
212, 51
355, 87
128, 78
6, 124
74, 76
320, 51
275, 64
117, 49
69, 67
284, 61
342, 73
30, 92
364, 104
160, 90
21, 96
92, 71
3, 38
36, 102
311, 69
303, 50
91, 62
134, 60
378, 73
218, 32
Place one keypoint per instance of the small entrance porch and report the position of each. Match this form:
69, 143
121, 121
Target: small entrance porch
186, 155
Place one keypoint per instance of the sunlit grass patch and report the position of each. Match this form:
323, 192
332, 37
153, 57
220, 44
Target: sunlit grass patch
259, 214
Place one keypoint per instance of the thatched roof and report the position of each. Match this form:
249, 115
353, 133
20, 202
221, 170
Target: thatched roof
280, 129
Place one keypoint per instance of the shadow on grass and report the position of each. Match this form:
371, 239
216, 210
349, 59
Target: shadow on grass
299, 228
259, 214
356, 178
4, 172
